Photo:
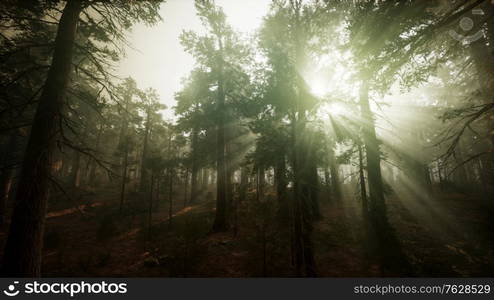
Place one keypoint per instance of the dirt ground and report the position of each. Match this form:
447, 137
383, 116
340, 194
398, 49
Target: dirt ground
447, 235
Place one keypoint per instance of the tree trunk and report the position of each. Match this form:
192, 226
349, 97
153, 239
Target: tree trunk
22, 256
170, 197
158, 187
143, 178
327, 184
194, 186
281, 192
304, 262
92, 162
229, 173
363, 189
7, 175
77, 174
372, 152
76, 169
205, 179
440, 175
391, 256
124, 176
313, 185
298, 243
335, 178
220, 221
309, 205
242, 193
150, 209
186, 185
259, 183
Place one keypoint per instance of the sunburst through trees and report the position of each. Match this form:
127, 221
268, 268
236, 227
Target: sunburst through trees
325, 138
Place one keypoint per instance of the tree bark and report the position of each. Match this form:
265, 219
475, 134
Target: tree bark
92, 162
313, 184
259, 183
143, 179
194, 186
327, 184
220, 221
242, 193
77, 174
7, 175
281, 191
373, 156
186, 185
170, 197
391, 256
150, 208
363, 189
302, 221
124, 176
76, 170
158, 191
335, 178
22, 256
298, 244
229, 174
205, 179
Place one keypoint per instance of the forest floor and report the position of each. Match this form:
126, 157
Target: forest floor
447, 235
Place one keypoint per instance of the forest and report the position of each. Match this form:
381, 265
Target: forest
340, 138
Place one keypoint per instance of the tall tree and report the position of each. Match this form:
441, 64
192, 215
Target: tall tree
23, 249
24, 244
221, 52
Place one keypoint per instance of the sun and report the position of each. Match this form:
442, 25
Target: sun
319, 88
330, 74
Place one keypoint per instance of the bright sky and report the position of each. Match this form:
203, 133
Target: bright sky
159, 61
